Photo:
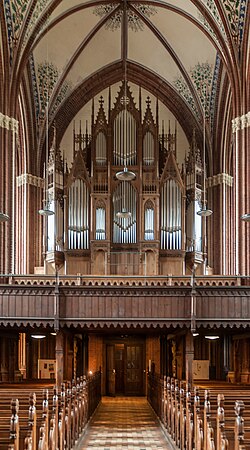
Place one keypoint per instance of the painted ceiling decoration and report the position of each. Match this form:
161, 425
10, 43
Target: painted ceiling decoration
48, 75
235, 11
190, 57
134, 21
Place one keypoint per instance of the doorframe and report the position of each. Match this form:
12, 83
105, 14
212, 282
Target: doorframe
126, 340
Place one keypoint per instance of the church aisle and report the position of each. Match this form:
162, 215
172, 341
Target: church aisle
124, 423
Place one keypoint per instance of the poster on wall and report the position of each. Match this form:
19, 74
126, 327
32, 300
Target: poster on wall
47, 369
200, 369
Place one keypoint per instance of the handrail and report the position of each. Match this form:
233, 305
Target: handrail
125, 280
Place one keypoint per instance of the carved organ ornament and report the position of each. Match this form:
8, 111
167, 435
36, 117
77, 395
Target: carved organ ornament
87, 198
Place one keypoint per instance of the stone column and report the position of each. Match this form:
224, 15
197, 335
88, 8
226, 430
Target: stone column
241, 131
220, 189
59, 353
189, 357
8, 132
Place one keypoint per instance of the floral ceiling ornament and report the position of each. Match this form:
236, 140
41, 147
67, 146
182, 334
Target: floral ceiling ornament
134, 21
235, 11
183, 89
202, 76
15, 12
47, 75
214, 11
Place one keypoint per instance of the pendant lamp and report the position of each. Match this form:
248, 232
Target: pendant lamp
46, 211
204, 211
125, 174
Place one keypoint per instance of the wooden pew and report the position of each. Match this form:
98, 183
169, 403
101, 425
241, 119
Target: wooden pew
45, 421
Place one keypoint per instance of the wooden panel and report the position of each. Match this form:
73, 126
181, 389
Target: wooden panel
166, 306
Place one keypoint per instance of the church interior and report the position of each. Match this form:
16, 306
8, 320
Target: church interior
124, 191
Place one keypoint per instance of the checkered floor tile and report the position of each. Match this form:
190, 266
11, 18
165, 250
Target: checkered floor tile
124, 423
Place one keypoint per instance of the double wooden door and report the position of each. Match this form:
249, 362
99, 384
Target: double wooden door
125, 372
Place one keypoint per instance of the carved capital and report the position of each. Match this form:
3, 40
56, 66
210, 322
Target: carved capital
9, 123
27, 178
220, 178
241, 122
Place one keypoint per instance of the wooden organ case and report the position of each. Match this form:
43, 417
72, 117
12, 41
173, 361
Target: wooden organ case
98, 238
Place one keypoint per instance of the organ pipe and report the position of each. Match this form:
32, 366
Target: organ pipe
148, 149
125, 135
124, 199
101, 149
171, 216
100, 224
78, 220
149, 224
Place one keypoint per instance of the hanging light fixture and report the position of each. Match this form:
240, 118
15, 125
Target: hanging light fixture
125, 174
204, 211
124, 214
46, 211
4, 217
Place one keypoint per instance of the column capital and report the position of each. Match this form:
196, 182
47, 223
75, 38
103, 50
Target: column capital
9, 123
27, 178
241, 122
220, 178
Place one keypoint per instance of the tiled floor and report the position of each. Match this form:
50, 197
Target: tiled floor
124, 423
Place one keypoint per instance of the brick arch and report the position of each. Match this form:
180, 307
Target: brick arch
136, 74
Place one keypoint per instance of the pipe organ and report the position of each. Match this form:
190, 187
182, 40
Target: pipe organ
100, 218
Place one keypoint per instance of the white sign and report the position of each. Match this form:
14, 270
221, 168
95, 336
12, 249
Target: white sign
200, 369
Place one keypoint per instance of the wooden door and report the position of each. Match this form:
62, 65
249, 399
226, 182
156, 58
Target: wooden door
134, 369
119, 369
110, 369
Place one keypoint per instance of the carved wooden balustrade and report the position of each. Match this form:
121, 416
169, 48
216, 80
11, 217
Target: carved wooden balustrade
61, 424
130, 301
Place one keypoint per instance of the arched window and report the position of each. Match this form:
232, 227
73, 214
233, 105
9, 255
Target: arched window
171, 215
78, 215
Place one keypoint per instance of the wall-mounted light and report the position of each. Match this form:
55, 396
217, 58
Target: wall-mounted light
38, 336
195, 334
212, 338
90, 373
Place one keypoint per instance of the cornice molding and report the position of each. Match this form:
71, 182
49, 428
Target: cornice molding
9, 123
220, 178
27, 178
241, 122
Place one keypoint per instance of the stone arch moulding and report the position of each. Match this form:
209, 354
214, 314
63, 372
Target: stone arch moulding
136, 74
